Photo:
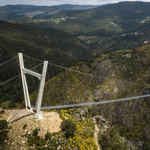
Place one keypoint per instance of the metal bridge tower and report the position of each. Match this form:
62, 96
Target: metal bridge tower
41, 77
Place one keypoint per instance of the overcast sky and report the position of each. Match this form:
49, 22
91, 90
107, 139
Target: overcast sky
58, 2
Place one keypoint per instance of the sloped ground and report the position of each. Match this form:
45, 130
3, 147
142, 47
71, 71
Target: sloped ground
50, 123
18, 114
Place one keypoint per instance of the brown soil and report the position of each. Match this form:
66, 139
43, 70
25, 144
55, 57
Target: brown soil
50, 123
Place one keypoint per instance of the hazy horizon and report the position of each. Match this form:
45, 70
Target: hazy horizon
61, 2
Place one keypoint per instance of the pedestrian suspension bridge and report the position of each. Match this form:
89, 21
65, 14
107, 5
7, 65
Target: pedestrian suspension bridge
37, 107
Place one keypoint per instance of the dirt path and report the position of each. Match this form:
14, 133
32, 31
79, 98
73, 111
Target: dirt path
96, 133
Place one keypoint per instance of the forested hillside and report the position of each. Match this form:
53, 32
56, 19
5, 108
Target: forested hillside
113, 62
56, 46
128, 40
119, 74
103, 21
45, 44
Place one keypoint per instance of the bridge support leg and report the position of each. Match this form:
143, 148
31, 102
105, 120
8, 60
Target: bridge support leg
38, 114
24, 83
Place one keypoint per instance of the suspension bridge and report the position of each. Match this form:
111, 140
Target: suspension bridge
56, 87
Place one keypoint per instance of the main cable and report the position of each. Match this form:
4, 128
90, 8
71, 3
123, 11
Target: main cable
33, 58
64, 67
72, 70
93, 103
8, 61
10, 79
18, 75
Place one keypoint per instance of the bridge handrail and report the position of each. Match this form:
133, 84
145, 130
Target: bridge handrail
93, 103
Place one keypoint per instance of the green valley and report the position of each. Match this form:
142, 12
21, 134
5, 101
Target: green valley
102, 21
94, 55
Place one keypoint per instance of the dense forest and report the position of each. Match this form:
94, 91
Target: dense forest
55, 46
104, 53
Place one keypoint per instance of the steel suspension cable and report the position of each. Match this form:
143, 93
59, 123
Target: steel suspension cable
93, 103
64, 67
72, 70
10, 79
33, 58
8, 61
18, 75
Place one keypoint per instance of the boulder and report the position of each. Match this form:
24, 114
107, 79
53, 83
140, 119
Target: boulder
77, 116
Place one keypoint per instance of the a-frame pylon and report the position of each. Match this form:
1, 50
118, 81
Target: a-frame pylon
41, 77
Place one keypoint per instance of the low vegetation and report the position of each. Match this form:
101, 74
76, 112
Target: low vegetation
4, 129
69, 128
121, 74
75, 133
120, 70
110, 139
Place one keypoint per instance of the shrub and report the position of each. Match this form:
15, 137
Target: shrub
68, 127
97, 119
4, 129
1, 112
48, 136
146, 146
93, 114
25, 125
110, 139
38, 142
11, 104
33, 138
4, 105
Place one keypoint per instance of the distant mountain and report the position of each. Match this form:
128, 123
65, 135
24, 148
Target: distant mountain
102, 21
18, 11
